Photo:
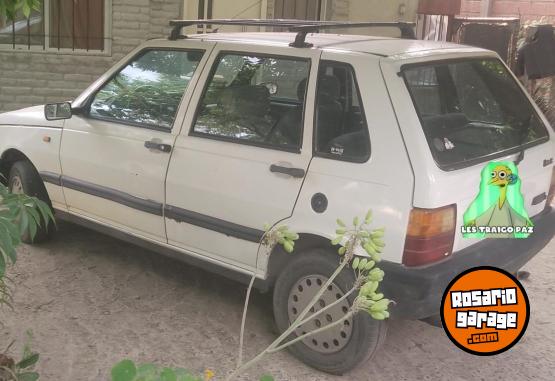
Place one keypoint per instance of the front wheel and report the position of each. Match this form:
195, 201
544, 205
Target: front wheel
24, 179
341, 348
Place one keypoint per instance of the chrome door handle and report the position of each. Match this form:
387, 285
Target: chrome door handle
293, 172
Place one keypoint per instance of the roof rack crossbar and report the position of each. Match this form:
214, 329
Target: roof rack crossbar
302, 27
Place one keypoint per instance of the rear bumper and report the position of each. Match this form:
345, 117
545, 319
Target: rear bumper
418, 291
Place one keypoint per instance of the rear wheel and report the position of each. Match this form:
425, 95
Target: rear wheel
339, 349
24, 179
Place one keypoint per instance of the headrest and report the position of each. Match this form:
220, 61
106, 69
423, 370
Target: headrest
246, 100
329, 85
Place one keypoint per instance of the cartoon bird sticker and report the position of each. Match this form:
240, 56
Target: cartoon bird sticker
499, 204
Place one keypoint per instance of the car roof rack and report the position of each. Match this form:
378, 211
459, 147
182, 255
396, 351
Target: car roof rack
302, 27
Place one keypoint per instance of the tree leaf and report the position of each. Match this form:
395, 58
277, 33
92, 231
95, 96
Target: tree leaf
168, 375
29, 361
124, 371
28, 376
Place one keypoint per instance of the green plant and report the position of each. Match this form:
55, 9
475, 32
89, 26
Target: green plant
19, 214
127, 370
350, 243
10, 8
21, 370
368, 277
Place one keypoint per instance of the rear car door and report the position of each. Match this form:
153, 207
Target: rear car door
240, 160
115, 156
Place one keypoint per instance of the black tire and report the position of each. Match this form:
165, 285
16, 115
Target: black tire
367, 334
32, 186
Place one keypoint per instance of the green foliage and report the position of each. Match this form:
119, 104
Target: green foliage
22, 370
280, 235
19, 214
10, 8
368, 276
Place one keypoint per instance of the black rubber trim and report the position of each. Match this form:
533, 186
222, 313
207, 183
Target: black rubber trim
212, 223
148, 206
260, 284
51, 178
156, 208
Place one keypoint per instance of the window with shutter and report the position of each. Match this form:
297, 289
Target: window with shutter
62, 25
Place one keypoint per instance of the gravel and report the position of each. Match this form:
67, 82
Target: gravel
91, 301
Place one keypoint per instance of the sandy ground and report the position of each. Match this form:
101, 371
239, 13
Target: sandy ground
91, 301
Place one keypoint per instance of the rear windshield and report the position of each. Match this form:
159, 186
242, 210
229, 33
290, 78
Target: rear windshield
472, 111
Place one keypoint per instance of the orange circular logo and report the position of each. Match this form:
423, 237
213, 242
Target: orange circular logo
485, 311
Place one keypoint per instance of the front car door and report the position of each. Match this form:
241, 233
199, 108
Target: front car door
240, 160
114, 158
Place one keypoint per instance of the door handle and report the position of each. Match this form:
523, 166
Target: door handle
293, 172
166, 148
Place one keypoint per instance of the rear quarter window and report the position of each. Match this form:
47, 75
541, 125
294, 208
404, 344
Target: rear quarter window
472, 111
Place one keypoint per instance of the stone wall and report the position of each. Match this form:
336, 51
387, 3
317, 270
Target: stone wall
31, 78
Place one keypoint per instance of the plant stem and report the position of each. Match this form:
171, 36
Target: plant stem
328, 307
292, 327
8, 347
243, 320
315, 332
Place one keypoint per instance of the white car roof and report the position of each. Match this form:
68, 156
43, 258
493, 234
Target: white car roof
381, 46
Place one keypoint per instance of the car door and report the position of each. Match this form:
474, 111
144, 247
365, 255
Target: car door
115, 156
240, 160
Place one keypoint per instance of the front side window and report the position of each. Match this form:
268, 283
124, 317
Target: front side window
472, 110
147, 92
341, 128
256, 100
68, 25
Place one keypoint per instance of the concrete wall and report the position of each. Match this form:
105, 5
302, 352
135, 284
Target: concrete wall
526, 9
31, 78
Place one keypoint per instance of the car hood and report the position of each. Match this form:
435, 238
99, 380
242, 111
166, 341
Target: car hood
30, 116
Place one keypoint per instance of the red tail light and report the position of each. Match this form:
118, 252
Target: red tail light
430, 235
551, 195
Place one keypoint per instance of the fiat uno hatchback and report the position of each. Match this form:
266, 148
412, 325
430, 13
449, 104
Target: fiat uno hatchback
189, 145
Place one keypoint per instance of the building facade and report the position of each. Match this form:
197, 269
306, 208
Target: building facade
67, 44
524, 9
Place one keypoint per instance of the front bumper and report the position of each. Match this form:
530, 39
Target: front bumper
418, 291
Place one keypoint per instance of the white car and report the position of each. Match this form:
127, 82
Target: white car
189, 145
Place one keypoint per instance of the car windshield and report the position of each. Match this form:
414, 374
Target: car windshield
472, 111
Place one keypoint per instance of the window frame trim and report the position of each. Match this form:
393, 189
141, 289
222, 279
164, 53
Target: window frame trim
90, 98
45, 47
331, 156
480, 159
214, 68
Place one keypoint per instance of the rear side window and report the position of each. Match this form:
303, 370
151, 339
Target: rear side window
147, 91
255, 99
472, 111
341, 131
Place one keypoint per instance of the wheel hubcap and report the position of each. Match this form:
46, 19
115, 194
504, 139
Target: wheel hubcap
334, 339
16, 185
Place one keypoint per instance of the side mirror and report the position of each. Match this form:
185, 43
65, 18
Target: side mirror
57, 111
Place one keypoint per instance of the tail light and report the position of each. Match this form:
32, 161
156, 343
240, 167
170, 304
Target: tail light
430, 235
551, 194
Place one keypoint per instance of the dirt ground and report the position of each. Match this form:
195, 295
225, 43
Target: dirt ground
91, 301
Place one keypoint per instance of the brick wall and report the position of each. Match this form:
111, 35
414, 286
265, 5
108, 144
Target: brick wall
526, 9
31, 78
